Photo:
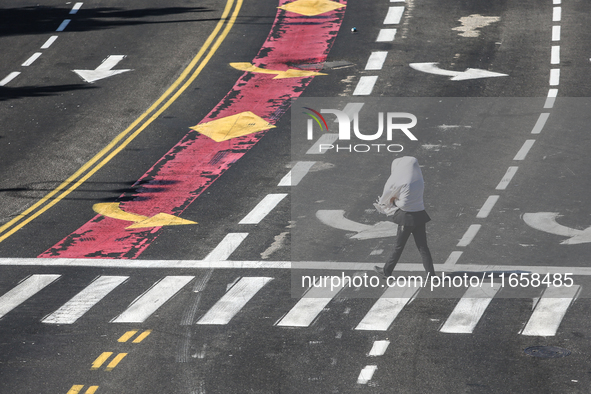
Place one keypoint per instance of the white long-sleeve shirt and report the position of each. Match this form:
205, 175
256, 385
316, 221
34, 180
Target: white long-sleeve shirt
405, 185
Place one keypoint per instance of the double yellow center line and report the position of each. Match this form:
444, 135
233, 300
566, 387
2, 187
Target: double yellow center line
188, 75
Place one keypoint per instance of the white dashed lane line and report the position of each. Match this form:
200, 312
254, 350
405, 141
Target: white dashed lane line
75, 8
469, 235
365, 85
511, 171
394, 15
487, 207
63, 25
537, 129
386, 35
263, 208
552, 93
30, 60
555, 33
376, 60
297, 173
555, 55
49, 42
540, 123
527, 145
46, 45
554, 77
9, 78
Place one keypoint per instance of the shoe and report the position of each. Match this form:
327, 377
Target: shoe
380, 271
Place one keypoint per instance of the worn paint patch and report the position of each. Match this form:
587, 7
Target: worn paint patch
471, 24
278, 243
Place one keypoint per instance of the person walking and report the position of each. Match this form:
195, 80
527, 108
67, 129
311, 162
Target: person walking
402, 199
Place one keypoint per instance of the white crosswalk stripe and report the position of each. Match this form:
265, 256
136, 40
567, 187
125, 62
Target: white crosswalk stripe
550, 311
25, 290
148, 303
234, 300
382, 314
545, 319
470, 309
309, 307
86, 299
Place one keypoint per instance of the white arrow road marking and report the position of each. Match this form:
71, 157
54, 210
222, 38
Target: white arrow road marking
102, 71
470, 73
337, 219
546, 221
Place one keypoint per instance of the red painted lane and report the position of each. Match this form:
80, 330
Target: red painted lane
192, 165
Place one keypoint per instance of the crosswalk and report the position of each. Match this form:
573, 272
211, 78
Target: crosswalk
545, 319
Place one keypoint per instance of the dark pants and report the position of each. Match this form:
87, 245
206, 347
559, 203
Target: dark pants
420, 235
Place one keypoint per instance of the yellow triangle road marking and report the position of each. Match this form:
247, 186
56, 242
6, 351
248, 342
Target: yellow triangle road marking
311, 7
233, 126
112, 210
290, 73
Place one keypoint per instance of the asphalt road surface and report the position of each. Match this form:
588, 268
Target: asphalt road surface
182, 210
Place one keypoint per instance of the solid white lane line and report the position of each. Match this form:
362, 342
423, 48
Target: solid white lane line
540, 123
234, 300
63, 25
30, 60
379, 348
555, 33
507, 178
263, 208
552, 93
9, 78
386, 35
555, 55
309, 307
554, 77
154, 298
366, 374
550, 311
49, 41
487, 207
75, 8
365, 85
297, 173
376, 60
226, 247
321, 143
469, 235
86, 299
452, 259
385, 310
394, 15
470, 309
527, 145
24, 290
556, 14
